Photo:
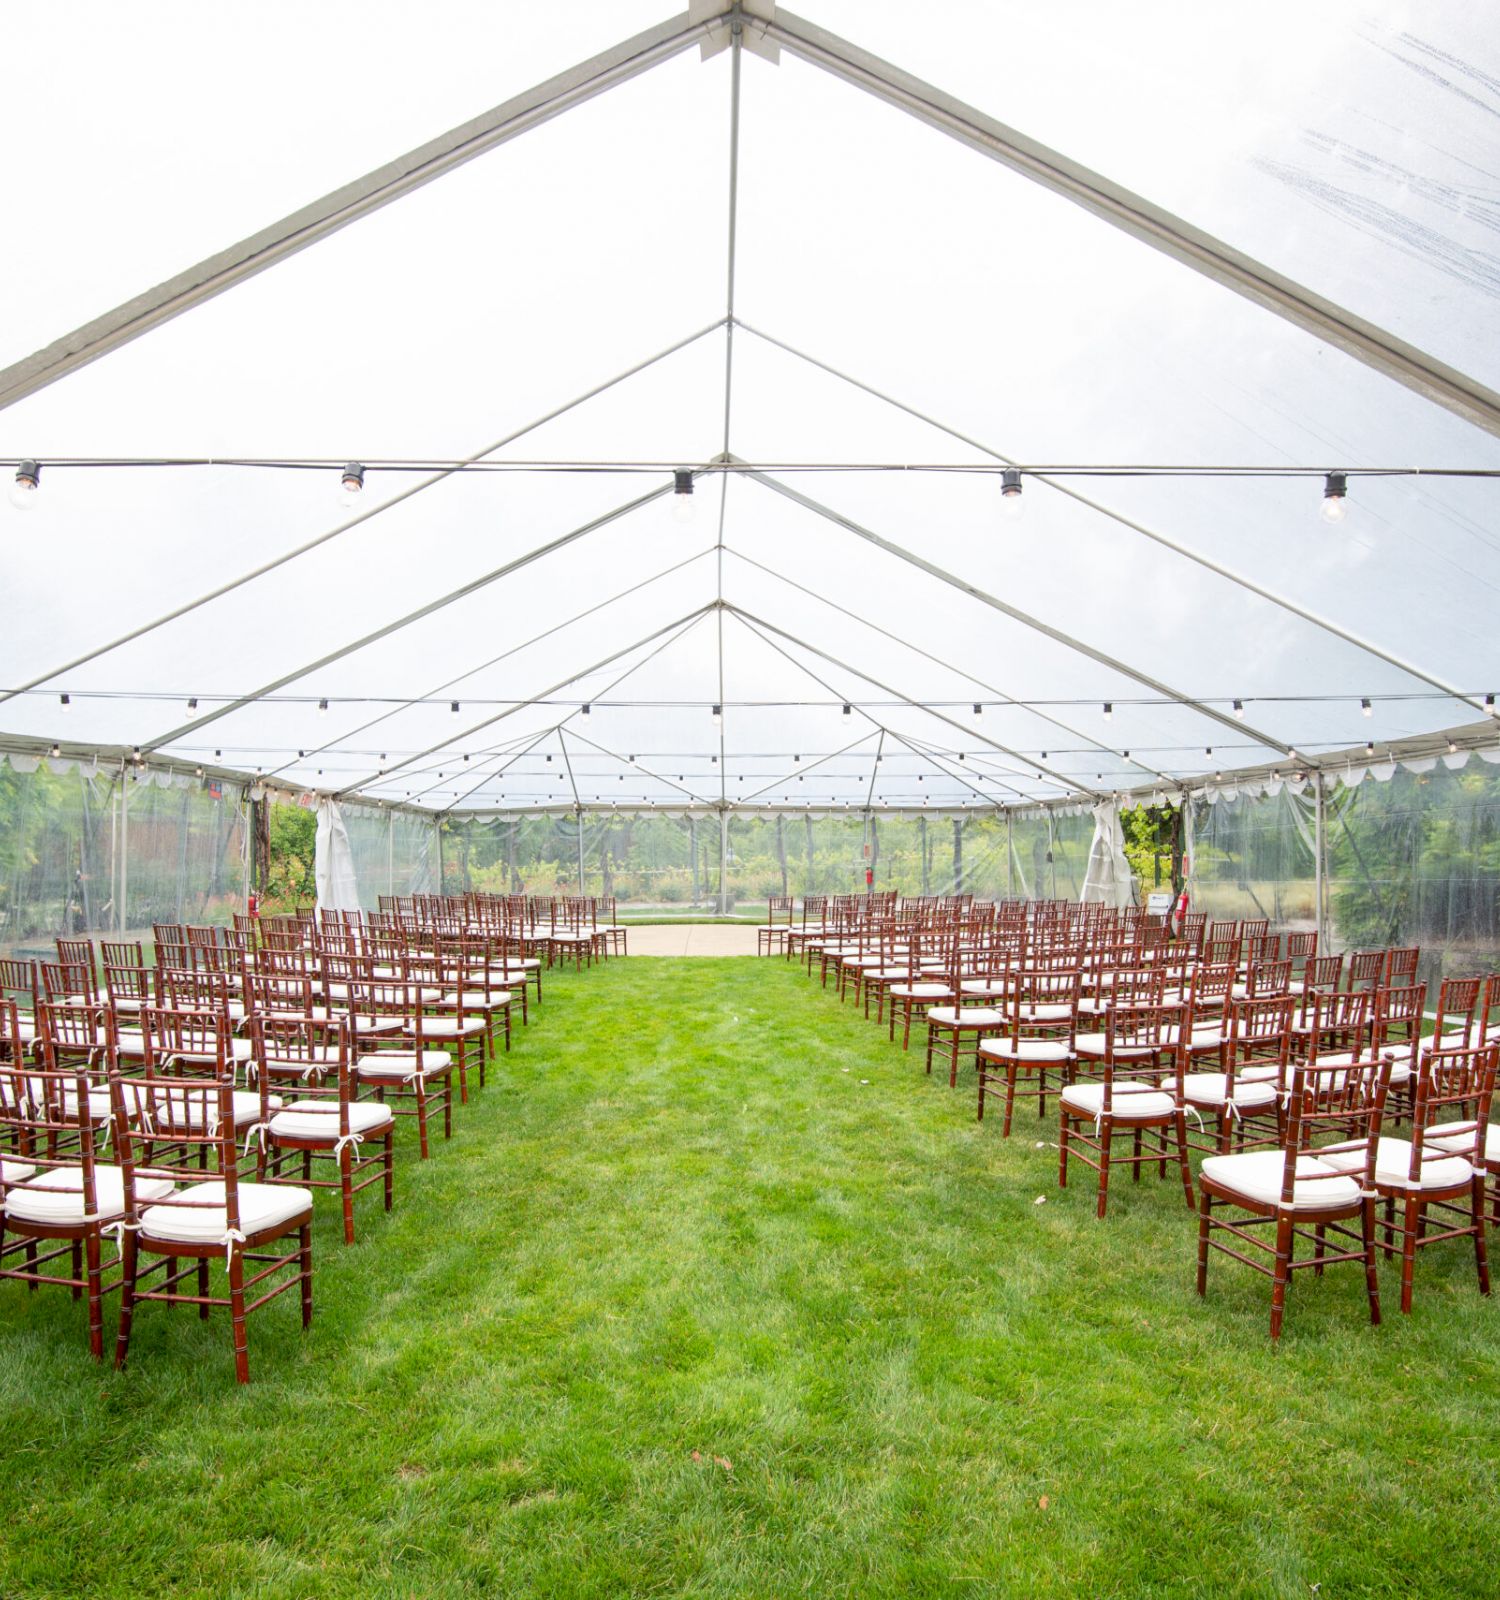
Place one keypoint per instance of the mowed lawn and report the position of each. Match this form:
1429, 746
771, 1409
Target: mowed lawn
715, 1293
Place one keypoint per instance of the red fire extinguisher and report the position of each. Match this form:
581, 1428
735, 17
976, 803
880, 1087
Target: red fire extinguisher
869, 877
1179, 914
254, 907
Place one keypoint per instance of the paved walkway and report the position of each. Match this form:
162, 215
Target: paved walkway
692, 939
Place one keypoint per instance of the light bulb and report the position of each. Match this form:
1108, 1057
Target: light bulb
1365, 706
1335, 487
23, 491
351, 484
682, 496
1011, 503
1239, 709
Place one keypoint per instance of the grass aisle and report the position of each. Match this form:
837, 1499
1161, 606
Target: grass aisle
688, 1307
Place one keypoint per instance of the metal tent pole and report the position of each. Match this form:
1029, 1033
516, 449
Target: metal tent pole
124, 853
724, 860
1320, 845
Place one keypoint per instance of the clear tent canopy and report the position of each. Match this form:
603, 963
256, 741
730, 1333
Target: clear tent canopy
844, 268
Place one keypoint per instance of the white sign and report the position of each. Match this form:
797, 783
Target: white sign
1159, 903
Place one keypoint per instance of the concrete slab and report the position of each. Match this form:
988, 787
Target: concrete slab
692, 939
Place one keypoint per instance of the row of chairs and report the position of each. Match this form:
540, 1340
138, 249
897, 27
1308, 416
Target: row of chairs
193, 1116
1234, 1059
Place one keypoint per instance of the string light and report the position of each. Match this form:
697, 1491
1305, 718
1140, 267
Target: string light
1369, 747
1011, 503
682, 495
718, 716
1335, 487
849, 710
1489, 703
1239, 709
56, 751
322, 708
351, 483
23, 492
584, 709
978, 709
1364, 705
1109, 711
65, 701
193, 703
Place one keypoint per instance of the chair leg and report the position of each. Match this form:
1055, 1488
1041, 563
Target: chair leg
1481, 1251
96, 1296
237, 1315
203, 1288
1372, 1282
127, 1298
346, 1191
1182, 1158
1010, 1098
1062, 1144
953, 1062
390, 1167
1204, 1223
1281, 1272
1106, 1138
421, 1089
304, 1240
1410, 1216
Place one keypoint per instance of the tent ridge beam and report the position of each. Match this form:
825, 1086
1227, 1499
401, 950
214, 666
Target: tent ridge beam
755, 623
1017, 615
685, 622
1133, 214
379, 187
927, 655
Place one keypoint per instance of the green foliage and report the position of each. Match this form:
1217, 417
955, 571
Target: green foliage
291, 881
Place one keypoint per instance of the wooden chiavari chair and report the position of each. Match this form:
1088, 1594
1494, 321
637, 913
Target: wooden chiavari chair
1040, 1011
1138, 1040
1295, 1193
323, 1122
1426, 1176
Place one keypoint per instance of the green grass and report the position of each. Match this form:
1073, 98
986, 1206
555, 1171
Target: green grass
689, 1307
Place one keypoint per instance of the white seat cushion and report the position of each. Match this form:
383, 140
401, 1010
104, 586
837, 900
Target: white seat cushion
1208, 1089
1095, 1044
1045, 1013
13, 1171
1133, 1102
965, 1017
442, 1028
476, 999
403, 1063
1393, 1165
1257, 1175
1202, 1037
262, 1206
57, 1196
187, 1111
1039, 1051
319, 1119
1462, 1142
921, 991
